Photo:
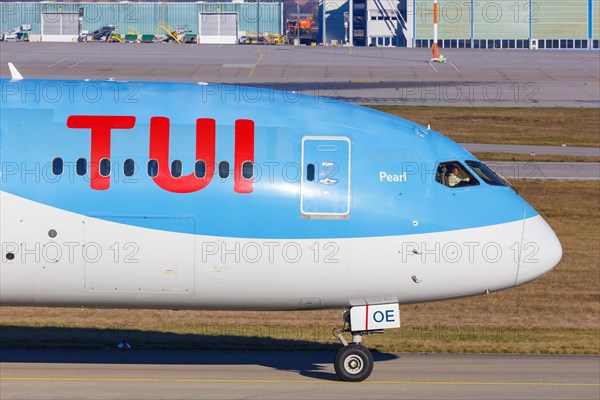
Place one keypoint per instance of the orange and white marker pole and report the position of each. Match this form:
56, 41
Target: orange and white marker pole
435, 30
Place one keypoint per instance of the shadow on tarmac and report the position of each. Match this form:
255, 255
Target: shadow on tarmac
99, 346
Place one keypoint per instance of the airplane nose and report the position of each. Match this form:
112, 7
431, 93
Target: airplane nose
540, 251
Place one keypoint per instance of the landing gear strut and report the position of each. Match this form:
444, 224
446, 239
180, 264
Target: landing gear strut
353, 362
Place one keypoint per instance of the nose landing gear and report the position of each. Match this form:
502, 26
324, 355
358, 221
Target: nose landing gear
354, 362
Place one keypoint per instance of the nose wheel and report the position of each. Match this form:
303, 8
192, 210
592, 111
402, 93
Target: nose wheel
353, 363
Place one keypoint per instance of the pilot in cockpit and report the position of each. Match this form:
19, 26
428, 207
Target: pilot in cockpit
454, 177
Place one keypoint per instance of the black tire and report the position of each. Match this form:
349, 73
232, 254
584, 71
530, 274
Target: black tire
353, 363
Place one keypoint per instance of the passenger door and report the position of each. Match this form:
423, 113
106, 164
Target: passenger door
325, 185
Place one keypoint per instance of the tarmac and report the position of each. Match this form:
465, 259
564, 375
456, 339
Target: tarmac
570, 171
103, 374
366, 75
536, 150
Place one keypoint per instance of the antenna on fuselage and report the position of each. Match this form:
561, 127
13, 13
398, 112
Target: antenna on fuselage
14, 72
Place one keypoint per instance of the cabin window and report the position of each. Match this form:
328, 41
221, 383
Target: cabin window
224, 169
310, 172
453, 174
57, 166
485, 173
200, 169
152, 168
247, 170
176, 168
81, 166
129, 167
105, 167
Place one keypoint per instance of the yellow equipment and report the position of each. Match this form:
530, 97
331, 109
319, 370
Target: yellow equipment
170, 33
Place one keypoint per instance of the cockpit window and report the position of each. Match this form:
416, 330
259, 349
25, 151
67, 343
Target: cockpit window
485, 173
454, 174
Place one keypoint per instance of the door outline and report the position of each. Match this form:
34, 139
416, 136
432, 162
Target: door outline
237, 26
303, 175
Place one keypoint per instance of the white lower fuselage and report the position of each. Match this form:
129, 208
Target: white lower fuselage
102, 263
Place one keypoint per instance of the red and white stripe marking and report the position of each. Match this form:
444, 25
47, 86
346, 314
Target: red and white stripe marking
435, 29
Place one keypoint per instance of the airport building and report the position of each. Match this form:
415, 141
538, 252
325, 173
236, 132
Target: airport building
212, 22
537, 24
515, 24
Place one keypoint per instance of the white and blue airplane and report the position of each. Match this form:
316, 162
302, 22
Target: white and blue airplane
200, 196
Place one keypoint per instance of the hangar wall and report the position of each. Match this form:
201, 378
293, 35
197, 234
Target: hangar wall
554, 24
142, 17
